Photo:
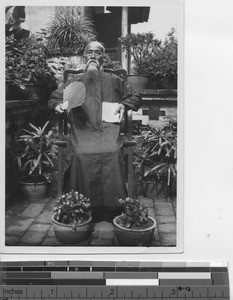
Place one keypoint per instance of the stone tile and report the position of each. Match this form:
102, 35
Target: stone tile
50, 205
156, 243
146, 201
168, 239
165, 219
11, 240
115, 242
33, 210
102, 242
51, 233
151, 212
45, 201
174, 206
162, 200
167, 228
164, 209
156, 234
21, 244
35, 234
45, 217
9, 219
103, 230
51, 241
150, 204
16, 210
85, 243
19, 227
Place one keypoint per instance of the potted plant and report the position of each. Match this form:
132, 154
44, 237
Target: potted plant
27, 74
35, 155
111, 64
156, 158
72, 218
68, 34
139, 46
134, 227
58, 65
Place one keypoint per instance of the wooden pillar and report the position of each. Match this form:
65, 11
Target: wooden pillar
124, 31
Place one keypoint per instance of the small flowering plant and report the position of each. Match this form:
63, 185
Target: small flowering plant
72, 208
135, 213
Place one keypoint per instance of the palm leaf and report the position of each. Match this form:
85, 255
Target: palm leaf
32, 146
168, 176
19, 162
28, 162
25, 136
33, 126
51, 163
35, 165
45, 125
173, 170
39, 158
159, 166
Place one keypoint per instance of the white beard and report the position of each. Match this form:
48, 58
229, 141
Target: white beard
93, 73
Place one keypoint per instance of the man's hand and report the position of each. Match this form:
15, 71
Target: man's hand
62, 107
120, 109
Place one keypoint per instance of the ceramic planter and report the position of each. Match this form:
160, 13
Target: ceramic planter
158, 189
138, 82
132, 236
67, 236
31, 92
35, 191
154, 189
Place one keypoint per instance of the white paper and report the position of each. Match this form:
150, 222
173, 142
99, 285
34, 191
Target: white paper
108, 112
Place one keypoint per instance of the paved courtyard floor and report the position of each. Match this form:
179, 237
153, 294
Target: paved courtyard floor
30, 224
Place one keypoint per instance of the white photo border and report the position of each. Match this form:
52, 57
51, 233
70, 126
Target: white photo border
82, 250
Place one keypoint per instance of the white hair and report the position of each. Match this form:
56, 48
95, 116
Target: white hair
96, 43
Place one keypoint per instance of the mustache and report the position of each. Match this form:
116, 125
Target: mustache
92, 61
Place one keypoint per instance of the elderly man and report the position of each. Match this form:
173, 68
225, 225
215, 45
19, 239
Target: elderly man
95, 166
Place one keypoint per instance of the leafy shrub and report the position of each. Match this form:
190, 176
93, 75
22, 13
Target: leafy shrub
36, 152
26, 64
139, 46
161, 64
135, 213
70, 208
156, 153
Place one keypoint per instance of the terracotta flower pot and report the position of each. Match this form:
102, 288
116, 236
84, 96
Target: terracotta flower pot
35, 191
66, 235
138, 82
134, 236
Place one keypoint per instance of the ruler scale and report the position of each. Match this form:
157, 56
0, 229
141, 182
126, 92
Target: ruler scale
113, 280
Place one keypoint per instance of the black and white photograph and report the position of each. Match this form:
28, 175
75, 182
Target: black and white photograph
94, 128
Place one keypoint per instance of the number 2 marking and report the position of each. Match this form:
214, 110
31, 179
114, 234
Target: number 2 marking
112, 291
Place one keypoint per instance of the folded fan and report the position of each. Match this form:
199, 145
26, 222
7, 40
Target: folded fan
74, 93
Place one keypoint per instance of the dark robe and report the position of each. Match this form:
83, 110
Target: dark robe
96, 166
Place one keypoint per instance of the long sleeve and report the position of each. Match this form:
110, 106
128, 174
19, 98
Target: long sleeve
131, 98
134, 102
